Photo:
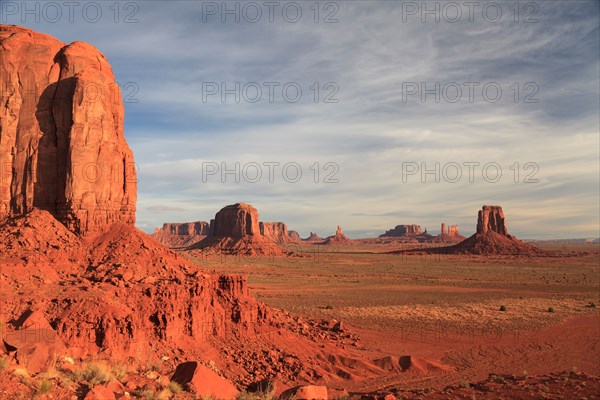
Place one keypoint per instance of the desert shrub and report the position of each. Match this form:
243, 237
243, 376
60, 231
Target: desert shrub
44, 387
255, 396
120, 371
550, 309
174, 387
95, 373
591, 305
502, 308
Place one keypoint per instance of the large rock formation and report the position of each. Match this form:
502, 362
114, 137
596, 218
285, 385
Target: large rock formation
403, 230
236, 220
492, 237
277, 232
62, 145
491, 218
181, 234
236, 230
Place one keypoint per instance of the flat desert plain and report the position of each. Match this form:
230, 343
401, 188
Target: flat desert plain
474, 317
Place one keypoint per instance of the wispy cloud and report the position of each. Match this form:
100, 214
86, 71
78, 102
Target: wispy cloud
370, 55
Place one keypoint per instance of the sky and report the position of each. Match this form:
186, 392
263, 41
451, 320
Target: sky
364, 114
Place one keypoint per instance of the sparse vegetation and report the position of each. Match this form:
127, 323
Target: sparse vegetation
120, 371
95, 373
44, 387
502, 308
550, 309
149, 394
174, 387
4, 361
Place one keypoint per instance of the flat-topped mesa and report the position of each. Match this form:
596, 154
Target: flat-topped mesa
403, 230
236, 220
491, 218
181, 234
198, 228
62, 144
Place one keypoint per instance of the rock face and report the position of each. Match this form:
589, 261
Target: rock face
236, 230
491, 218
181, 234
276, 232
62, 145
403, 230
492, 237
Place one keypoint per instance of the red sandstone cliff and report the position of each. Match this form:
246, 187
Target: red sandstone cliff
62, 145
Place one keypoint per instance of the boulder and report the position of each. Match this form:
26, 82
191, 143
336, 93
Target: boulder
36, 345
62, 146
203, 382
306, 392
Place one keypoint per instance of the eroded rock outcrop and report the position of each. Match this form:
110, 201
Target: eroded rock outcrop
313, 237
338, 238
62, 145
277, 232
448, 234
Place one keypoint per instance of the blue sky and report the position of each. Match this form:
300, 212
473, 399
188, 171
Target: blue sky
375, 61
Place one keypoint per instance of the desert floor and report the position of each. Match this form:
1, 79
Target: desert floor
442, 308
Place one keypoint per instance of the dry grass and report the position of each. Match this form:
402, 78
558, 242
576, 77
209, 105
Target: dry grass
95, 373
